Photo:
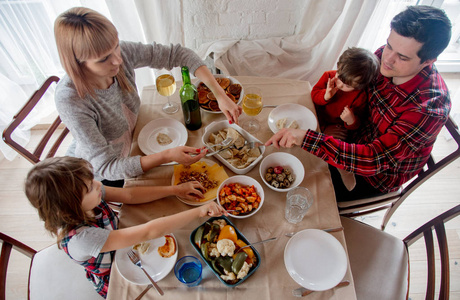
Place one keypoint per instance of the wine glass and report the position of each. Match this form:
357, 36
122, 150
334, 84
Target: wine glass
252, 106
166, 86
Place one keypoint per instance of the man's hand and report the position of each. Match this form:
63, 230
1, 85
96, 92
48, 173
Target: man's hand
287, 138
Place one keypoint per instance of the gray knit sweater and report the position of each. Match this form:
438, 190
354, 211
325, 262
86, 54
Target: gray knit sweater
103, 126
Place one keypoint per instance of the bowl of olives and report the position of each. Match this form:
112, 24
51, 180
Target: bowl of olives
281, 171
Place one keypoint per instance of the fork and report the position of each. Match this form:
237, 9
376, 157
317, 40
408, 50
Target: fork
135, 259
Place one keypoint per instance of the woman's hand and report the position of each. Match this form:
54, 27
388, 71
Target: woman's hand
229, 108
331, 88
212, 209
185, 155
287, 138
192, 190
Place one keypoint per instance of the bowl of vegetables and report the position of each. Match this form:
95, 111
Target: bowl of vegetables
218, 242
241, 195
281, 171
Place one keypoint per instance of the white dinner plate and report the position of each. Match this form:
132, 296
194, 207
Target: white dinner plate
195, 203
291, 111
157, 267
147, 139
315, 259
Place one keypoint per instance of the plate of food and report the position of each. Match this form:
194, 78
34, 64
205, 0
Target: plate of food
231, 266
323, 259
205, 171
291, 115
208, 101
158, 257
161, 134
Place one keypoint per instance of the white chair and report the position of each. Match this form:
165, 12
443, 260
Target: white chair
380, 262
52, 275
391, 201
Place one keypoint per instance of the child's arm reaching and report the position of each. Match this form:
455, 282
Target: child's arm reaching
192, 190
126, 237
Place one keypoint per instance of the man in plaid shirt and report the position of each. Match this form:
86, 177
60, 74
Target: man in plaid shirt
408, 105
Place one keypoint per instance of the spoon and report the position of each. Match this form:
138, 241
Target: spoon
335, 229
259, 242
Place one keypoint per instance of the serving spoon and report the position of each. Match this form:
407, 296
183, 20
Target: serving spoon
259, 242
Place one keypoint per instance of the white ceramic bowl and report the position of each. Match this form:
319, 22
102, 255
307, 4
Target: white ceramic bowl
245, 181
232, 81
285, 160
219, 125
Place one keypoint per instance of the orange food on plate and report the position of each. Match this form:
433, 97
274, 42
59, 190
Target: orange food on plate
169, 248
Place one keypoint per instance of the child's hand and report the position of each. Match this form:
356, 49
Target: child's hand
348, 116
192, 190
212, 209
331, 88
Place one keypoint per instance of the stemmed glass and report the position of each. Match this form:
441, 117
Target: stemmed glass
252, 106
166, 86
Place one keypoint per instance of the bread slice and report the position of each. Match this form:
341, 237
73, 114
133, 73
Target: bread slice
169, 248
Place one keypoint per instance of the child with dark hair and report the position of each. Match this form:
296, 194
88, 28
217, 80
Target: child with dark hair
73, 206
340, 95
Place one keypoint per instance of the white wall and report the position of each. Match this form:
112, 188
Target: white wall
210, 20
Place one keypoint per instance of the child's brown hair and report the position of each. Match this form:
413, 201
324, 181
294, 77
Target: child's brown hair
56, 187
357, 67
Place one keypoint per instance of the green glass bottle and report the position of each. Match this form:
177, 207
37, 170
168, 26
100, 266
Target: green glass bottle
189, 100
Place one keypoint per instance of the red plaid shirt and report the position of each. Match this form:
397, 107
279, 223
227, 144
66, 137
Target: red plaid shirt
396, 141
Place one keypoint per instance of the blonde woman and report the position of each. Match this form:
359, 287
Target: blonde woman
98, 99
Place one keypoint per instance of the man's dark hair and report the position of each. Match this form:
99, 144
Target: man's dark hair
427, 25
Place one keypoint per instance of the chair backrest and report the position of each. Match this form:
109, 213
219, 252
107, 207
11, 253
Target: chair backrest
52, 274
35, 156
392, 201
426, 231
8, 243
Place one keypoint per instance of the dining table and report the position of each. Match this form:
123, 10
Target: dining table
271, 280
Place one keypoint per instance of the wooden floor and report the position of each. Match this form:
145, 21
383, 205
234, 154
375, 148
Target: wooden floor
19, 220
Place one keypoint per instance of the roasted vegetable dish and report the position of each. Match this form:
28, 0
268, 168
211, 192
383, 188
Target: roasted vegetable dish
238, 198
220, 245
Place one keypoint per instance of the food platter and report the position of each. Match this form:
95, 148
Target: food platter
304, 117
157, 267
148, 139
211, 105
315, 259
210, 163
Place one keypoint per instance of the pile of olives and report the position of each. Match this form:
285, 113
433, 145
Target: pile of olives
279, 177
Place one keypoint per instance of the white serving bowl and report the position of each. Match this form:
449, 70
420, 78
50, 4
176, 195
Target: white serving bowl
245, 181
219, 125
284, 160
232, 81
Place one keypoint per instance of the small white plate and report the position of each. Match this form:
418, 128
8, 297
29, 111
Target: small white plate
157, 267
147, 139
195, 203
291, 111
315, 259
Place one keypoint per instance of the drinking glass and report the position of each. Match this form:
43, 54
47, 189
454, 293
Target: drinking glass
252, 106
298, 201
166, 86
188, 270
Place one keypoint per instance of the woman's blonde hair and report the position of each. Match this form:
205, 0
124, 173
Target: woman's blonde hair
82, 33
56, 187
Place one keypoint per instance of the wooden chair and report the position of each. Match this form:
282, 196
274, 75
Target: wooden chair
380, 262
52, 274
391, 201
35, 155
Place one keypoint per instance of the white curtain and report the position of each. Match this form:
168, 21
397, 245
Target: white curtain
29, 53
327, 28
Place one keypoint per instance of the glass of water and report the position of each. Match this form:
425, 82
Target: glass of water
298, 201
188, 270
